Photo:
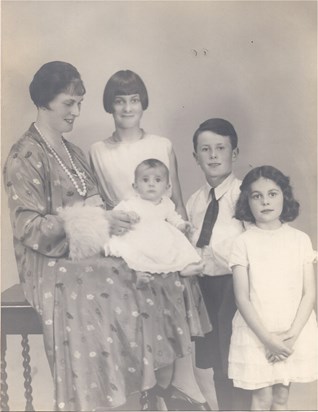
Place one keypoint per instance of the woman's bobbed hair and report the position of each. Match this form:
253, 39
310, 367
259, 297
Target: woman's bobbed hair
52, 79
124, 82
290, 206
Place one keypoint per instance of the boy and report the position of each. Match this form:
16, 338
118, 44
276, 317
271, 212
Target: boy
215, 151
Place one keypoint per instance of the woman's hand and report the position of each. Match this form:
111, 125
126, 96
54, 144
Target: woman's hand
121, 222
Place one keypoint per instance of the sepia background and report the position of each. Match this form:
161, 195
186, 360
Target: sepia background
250, 62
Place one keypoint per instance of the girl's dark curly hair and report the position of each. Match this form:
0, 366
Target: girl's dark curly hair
290, 207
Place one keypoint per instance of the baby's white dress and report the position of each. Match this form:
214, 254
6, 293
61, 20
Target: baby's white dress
274, 259
154, 244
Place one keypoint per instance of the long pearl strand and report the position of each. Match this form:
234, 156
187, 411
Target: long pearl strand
81, 192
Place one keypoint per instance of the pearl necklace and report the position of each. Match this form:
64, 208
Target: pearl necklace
81, 192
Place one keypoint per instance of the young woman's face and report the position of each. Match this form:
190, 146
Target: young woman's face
151, 183
266, 201
127, 111
62, 112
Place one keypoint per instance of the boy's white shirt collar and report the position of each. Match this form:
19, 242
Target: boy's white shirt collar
220, 189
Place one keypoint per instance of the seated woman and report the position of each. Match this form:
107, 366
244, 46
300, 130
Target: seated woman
97, 327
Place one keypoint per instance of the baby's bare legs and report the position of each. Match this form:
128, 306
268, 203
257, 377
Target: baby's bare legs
193, 269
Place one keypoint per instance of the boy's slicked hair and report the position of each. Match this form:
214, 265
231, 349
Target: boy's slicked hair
152, 164
124, 82
290, 207
218, 126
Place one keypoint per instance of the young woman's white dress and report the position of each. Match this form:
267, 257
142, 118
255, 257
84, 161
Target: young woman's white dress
155, 244
275, 260
115, 162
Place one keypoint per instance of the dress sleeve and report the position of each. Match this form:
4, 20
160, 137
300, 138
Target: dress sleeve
310, 255
32, 224
172, 216
238, 254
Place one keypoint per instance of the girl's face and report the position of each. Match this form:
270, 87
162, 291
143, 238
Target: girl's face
62, 112
266, 201
151, 183
127, 111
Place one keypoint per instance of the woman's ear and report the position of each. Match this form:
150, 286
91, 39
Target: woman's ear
134, 186
195, 156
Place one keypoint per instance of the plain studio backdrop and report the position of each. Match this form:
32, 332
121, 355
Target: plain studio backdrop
250, 62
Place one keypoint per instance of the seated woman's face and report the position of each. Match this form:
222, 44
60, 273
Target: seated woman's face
127, 111
63, 110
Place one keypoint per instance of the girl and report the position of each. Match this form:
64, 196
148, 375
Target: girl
114, 161
156, 244
274, 337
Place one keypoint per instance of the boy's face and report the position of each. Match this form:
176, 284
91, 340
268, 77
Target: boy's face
215, 156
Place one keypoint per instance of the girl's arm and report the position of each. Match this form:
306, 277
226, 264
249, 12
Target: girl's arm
272, 342
305, 307
176, 189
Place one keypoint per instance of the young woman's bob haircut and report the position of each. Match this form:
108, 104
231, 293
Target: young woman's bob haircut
52, 79
290, 207
124, 83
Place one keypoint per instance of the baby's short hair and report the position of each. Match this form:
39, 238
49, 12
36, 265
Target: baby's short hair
218, 126
152, 164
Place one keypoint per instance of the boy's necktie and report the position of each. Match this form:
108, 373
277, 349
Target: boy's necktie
210, 217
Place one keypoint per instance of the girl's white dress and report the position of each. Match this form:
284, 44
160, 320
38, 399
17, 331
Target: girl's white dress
275, 260
155, 244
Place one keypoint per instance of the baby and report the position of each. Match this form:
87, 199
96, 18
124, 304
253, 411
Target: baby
157, 243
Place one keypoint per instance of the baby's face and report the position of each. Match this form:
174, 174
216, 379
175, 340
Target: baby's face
151, 183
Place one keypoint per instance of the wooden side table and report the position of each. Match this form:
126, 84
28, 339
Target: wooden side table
17, 318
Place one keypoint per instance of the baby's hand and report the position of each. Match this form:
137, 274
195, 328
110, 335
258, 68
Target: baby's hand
186, 228
193, 269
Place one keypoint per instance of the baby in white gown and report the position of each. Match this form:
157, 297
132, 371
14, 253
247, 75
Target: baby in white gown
157, 243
